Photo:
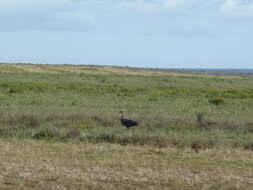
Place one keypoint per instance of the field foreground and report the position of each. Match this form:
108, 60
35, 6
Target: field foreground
28, 164
60, 129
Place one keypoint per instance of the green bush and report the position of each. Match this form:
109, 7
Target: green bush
217, 101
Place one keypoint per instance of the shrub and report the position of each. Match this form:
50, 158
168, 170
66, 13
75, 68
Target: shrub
73, 133
200, 117
248, 146
202, 144
104, 137
249, 127
47, 133
18, 119
217, 101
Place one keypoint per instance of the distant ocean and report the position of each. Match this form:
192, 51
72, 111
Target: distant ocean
216, 72
239, 72
231, 70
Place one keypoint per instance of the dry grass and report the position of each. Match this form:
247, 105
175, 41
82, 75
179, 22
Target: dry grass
107, 70
74, 165
93, 127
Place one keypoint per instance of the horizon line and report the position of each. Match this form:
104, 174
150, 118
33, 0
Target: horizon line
133, 67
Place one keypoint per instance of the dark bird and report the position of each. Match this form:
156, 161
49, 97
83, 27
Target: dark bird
127, 122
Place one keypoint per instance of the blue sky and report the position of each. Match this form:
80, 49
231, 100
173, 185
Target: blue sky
142, 33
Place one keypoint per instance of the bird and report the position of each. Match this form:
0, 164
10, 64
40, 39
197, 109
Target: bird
127, 122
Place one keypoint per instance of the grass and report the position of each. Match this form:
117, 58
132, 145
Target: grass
60, 128
30, 164
95, 128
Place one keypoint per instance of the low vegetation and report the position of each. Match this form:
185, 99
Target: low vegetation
206, 119
29, 164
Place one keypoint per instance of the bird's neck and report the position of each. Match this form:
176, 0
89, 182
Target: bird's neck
122, 116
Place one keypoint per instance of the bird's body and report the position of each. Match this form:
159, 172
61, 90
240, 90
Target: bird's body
127, 122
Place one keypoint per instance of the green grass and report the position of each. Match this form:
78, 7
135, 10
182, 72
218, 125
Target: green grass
179, 116
163, 104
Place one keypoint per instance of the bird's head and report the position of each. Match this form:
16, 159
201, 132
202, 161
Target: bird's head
121, 112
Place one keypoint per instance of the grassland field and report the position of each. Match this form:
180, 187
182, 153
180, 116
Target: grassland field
60, 129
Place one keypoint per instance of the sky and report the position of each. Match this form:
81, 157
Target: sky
135, 33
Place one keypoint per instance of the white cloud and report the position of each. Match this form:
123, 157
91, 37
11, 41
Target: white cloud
44, 15
108, 14
237, 8
140, 5
154, 5
174, 3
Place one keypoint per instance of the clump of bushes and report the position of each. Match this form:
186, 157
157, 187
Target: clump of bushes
200, 117
160, 141
48, 132
73, 133
20, 119
57, 133
202, 144
248, 146
216, 101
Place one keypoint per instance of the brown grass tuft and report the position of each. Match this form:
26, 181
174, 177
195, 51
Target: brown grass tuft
248, 146
48, 132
